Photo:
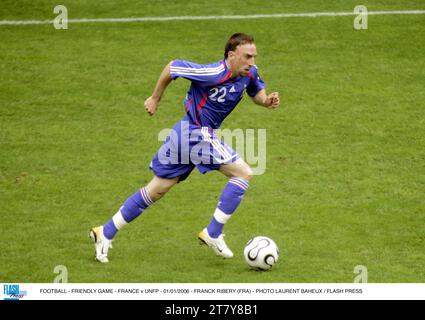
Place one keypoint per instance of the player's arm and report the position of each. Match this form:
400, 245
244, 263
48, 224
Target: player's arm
152, 103
270, 101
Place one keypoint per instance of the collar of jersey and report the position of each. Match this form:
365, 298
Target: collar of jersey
237, 78
225, 64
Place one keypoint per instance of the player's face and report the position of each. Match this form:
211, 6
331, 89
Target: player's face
243, 58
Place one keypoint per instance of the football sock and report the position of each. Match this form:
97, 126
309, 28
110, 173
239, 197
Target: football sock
132, 208
230, 199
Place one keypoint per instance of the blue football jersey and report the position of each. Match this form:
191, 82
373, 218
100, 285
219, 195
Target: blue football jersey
213, 94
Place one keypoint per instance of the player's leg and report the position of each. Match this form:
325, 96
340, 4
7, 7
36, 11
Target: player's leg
131, 209
137, 203
239, 174
223, 158
238, 169
164, 164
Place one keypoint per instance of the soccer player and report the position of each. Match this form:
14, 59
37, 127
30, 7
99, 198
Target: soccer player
215, 91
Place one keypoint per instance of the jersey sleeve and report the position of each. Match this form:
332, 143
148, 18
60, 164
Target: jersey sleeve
201, 74
255, 84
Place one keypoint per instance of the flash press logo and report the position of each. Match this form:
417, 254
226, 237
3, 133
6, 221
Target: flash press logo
12, 292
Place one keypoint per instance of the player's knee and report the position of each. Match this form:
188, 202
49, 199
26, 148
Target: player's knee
155, 195
158, 187
247, 174
157, 192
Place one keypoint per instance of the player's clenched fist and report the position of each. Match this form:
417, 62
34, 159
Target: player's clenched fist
151, 105
273, 100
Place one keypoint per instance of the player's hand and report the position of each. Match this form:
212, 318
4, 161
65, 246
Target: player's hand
273, 101
151, 105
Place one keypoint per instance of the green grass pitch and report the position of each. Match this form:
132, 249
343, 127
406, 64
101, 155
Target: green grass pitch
345, 177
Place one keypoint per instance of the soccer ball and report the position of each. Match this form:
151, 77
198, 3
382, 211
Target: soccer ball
261, 253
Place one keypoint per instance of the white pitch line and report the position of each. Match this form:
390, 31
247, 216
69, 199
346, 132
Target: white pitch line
235, 17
